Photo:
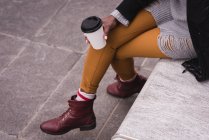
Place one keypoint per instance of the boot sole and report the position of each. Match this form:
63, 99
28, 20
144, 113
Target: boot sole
82, 128
123, 97
88, 127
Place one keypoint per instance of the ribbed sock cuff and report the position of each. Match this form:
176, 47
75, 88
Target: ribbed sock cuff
129, 80
82, 96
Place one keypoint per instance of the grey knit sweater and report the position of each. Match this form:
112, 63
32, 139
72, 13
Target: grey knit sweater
171, 18
178, 25
176, 13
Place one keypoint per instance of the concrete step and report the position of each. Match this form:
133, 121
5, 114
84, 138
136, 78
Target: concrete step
171, 106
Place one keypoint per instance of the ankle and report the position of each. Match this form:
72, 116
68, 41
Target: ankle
83, 96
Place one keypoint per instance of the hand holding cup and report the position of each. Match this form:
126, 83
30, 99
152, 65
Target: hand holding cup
91, 25
109, 23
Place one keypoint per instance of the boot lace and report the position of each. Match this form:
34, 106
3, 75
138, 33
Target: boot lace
66, 114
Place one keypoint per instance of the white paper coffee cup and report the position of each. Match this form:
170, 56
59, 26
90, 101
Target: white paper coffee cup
93, 30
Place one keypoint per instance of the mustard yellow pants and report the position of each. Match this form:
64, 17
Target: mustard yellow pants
139, 39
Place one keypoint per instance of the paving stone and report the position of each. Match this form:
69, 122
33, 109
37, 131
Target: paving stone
64, 30
138, 61
150, 63
119, 139
4, 136
57, 104
24, 17
28, 82
144, 72
9, 48
118, 116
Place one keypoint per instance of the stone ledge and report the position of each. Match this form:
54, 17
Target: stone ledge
171, 106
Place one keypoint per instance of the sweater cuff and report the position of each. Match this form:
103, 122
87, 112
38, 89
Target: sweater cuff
120, 17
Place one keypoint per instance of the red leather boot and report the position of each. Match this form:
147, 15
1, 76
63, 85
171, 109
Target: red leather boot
79, 115
126, 89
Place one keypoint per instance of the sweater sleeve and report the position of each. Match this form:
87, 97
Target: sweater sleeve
120, 17
130, 8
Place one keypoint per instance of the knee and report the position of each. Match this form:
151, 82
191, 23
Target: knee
119, 55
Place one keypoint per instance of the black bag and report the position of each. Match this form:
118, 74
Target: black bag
198, 22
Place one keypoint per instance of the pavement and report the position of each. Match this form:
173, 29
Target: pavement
41, 58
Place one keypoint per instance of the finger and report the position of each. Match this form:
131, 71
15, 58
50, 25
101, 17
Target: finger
106, 30
87, 41
105, 37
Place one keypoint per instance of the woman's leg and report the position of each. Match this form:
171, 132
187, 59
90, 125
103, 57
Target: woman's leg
129, 82
81, 114
145, 45
97, 61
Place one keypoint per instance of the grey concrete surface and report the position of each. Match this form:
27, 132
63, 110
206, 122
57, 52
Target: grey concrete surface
64, 28
171, 106
9, 49
5, 136
117, 117
41, 59
28, 82
24, 18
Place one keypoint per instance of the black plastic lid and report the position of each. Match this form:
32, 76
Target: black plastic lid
91, 24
